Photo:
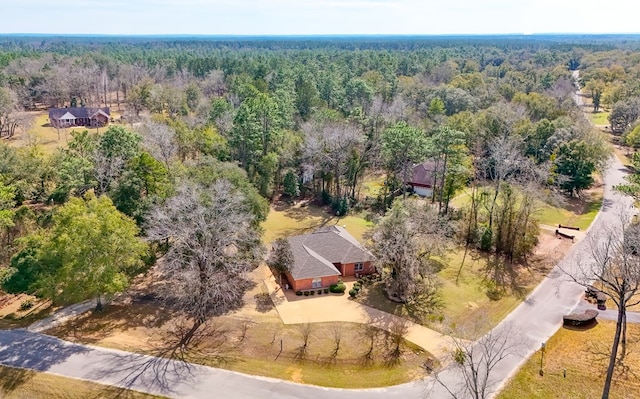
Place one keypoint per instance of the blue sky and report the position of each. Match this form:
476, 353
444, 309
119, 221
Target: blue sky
308, 17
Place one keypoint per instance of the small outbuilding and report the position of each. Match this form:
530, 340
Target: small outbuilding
422, 178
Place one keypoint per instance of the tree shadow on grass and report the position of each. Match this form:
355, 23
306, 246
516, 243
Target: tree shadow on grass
264, 303
92, 327
168, 366
502, 276
12, 378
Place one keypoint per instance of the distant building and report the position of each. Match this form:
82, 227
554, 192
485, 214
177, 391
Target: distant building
422, 178
321, 257
70, 117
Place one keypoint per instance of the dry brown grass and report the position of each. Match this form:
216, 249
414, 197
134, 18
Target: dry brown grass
252, 345
13, 315
585, 355
23, 384
48, 139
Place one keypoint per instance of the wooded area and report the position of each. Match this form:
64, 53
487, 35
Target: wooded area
214, 130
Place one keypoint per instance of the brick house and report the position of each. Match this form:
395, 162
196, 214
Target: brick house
323, 256
82, 116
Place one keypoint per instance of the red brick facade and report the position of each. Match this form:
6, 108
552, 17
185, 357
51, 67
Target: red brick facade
349, 269
307, 283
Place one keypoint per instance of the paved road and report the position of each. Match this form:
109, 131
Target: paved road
609, 314
535, 320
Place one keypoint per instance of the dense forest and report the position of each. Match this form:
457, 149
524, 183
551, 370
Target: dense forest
269, 118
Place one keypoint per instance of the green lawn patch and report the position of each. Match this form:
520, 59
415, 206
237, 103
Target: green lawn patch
292, 220
600, 118
464, 294
578, 212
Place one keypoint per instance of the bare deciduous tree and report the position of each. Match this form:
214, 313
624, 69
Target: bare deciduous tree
106, 169
304, 330
613, 261
281, 258
160, 140
469, 374
333, 149
336, 332
211, 247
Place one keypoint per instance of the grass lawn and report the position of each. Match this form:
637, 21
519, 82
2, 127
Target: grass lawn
585, 355
21, 384
144, 328
13, 316
284, 221
576, 212
372, 184
45, 136
464, 291
600, 118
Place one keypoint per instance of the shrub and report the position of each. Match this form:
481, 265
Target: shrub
361, 281
338, 288
356, 284
341, 206
299, 293
312, 292
26, 305
319, 292
306, 293
353, 293
356, 288
326, 290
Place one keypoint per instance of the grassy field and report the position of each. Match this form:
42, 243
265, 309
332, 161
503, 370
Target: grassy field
584, 354
599, 119
578, 213
284, 221
145, 328
575, 212
23, 384
47, 138
464, 292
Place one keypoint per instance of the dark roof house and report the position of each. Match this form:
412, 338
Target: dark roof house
422, 178
82, 116
327, 253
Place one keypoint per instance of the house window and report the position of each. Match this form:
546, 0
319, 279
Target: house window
359, 267
316, 283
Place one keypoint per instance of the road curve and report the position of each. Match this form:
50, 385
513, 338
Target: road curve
533, 322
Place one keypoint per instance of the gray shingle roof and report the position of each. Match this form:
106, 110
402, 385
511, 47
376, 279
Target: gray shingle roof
315, 253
